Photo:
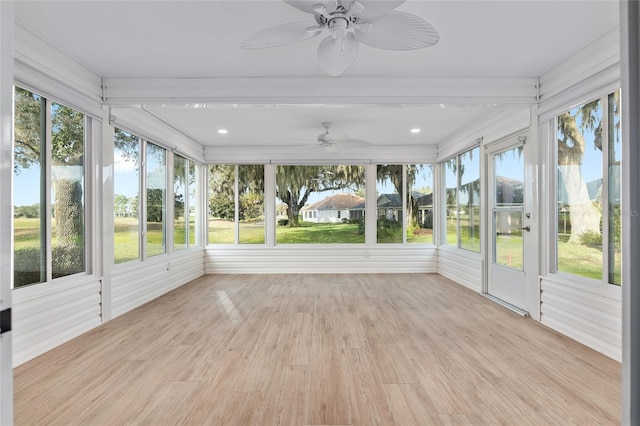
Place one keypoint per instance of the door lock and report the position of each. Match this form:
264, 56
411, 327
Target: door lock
526, 228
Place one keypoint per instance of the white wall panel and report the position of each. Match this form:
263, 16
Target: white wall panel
40, 66
46, 315
461, 266
330, 259
600, 57
138, 283
591, 315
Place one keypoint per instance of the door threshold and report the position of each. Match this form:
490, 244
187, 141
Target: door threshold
509, 306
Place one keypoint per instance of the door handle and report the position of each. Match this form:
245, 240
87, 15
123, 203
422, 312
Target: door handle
526, 228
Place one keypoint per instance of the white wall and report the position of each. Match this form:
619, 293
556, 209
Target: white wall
462, 266
332, 258
136, 284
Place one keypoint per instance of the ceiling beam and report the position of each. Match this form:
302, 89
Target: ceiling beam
346, 90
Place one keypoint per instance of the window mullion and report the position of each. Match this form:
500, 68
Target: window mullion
46, 191
142, 200
605, 212
405, 197
236, 203
187, 203
458, 186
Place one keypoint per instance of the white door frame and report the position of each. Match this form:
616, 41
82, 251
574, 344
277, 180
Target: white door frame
6, 209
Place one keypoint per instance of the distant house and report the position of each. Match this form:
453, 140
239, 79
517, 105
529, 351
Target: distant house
332, 209
390, 207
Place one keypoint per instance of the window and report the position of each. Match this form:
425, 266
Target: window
180, 208
49, 221
389, 203
404, 191
320, 191
130, 175
193, 206
251, 204
462, 194
419, 203
222, 206
156, 198
126, 200
588, 190
185, 193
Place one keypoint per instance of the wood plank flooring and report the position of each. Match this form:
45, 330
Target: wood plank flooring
401, 349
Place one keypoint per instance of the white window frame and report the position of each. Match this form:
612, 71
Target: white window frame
548, 138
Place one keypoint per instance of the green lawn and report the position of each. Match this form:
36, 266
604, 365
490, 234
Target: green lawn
319, 233
575, 259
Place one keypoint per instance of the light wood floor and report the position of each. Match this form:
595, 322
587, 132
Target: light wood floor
320, 349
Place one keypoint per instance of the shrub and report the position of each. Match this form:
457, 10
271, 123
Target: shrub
387, 228
591, 238
26, 263
283, 222
67, 260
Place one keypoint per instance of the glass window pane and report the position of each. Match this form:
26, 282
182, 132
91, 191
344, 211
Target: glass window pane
126, 184
156, 199
469, 199
579, 192
389, 203
180, 170
29, 237
451, 196
614, 216
251, 204
194, 204
419, 204
309, 198
222, 178
509, 242
67, 191
509, 175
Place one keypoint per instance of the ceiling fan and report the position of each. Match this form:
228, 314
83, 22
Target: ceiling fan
349, 23
332, 141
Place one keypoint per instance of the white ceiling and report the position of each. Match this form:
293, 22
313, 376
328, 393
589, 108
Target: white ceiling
201, 39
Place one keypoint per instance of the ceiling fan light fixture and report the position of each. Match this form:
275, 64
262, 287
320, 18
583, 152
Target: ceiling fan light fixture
372, 22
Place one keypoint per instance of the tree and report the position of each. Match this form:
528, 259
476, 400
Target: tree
30, 212
393, 173
178, 206
28, 129
121, 205
67, 163
155, 204
585, 216
294, 184
221, 184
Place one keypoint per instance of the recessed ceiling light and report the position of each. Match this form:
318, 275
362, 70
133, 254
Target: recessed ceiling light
223, 131
416, 130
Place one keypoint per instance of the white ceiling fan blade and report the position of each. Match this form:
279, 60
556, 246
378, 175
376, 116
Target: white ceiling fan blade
376, 8
281, 35
336, 56
399, 31
308, 6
